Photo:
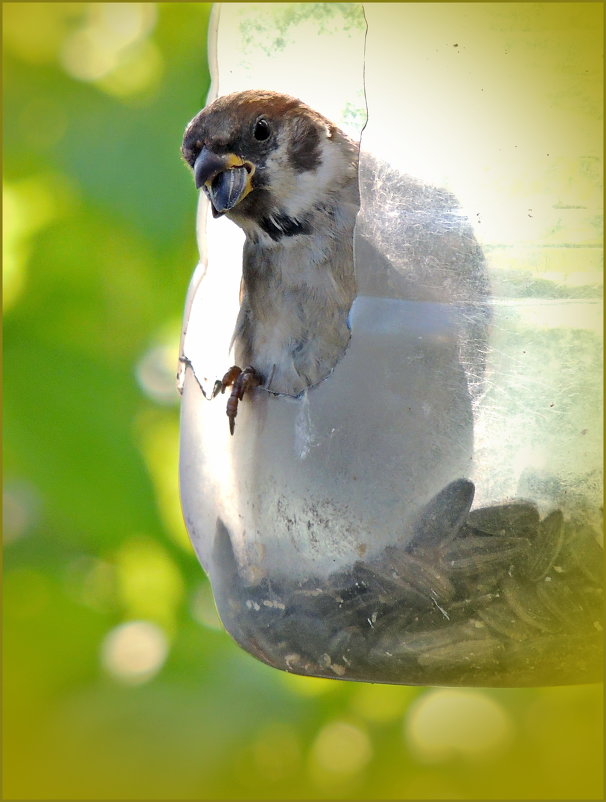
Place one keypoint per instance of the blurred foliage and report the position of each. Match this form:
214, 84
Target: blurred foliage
118, 680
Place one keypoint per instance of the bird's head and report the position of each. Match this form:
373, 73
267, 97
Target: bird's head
266, 159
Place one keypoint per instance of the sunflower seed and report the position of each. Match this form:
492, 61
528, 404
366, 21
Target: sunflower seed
393, 621
479, 553
560, 600
380, 579
473, 584
314, 602
522, 598
304, 633
472, 654
394, 579
545, 547
500, 599
346, 645
429, 580
592, 600
468, 605
517, 519
443, 516
437, 638
583, 552
500, 618
409, 645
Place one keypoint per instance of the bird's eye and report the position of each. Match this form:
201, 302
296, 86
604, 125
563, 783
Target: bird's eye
261, 130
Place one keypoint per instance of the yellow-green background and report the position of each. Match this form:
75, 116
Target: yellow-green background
98, 249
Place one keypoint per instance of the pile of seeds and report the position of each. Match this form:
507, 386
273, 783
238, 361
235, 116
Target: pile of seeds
493, 596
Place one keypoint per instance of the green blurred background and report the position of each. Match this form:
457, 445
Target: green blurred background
118, 679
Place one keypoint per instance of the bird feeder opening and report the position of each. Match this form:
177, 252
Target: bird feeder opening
425, 508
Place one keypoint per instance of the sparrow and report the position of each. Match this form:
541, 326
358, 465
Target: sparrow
288, 177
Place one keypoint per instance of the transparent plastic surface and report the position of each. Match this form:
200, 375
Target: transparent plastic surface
429, 513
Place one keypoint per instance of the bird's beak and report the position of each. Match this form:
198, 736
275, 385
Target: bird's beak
225, 178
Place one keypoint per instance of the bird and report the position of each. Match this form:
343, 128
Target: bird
337, 530
290, 179
358, 343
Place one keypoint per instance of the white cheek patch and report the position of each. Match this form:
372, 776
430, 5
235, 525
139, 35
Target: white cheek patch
282, 178
297, 193
311, 186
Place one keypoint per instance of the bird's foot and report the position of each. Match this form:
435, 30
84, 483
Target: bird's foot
227, 380
240, 381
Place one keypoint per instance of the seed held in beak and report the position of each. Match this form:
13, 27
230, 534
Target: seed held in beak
225, 178
227, 188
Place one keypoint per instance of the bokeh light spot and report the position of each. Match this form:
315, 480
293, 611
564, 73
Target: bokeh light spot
111, 48
34, 31
449, 723
85, 58
134, 652
20, 509
138, 72
92, 582
156, 371
341, 749
28, 206
150, 584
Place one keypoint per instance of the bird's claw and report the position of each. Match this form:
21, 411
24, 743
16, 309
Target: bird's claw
240, 381
230, 378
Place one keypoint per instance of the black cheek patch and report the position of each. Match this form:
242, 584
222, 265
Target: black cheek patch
281, 225
304, 148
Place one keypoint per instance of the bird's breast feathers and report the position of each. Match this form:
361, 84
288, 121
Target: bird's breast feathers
288, 177
293, 320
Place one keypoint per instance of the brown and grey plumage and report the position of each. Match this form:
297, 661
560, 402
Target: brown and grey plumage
288, 177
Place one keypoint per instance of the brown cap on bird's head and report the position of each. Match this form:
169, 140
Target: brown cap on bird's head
254, 140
